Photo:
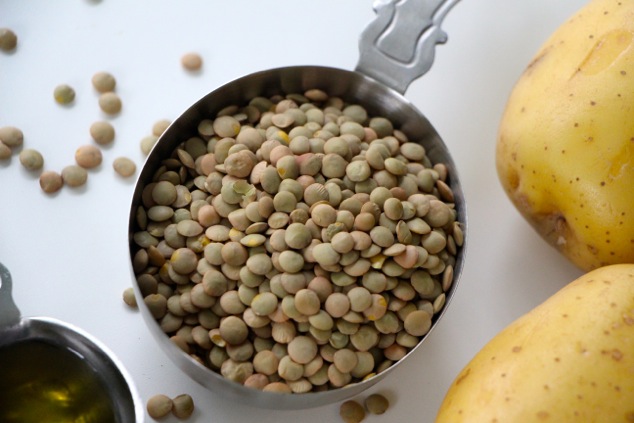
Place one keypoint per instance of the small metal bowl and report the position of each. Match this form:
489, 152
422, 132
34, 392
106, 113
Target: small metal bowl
102, 389
378, 85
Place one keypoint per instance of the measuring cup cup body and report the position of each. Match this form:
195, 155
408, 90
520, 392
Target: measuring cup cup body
351, 86
90, 364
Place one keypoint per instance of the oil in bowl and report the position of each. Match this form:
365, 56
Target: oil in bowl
40, 381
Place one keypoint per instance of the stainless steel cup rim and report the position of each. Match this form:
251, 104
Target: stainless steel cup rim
15, 329
356, 86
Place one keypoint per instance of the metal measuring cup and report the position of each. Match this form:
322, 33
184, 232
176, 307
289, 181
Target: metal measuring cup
16, 331
396, 48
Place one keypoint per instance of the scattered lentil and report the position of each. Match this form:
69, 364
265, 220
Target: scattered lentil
8, 39
31, 159
74, 176
102, 132
147, 143
159, 406
129, 298
103, 82
160, 126
376, 404
51, 181
88, 156
64, 94
192, 61
124, 166
5, 151
183, 406
351, 412
110, 103
11, 136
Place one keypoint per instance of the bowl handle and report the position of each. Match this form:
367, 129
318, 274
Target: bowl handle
398, 45
9, 312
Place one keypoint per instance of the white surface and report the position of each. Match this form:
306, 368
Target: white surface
68, 252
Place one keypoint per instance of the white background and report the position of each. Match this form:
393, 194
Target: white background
68, 252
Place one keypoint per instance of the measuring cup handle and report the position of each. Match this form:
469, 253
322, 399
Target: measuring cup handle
9, 313
398, 46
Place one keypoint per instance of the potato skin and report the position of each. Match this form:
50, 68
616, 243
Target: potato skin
569, 359
565, 146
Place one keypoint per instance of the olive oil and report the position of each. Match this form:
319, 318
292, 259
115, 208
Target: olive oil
41, 382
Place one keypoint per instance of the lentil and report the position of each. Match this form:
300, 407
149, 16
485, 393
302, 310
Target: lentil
192, 61
159, 406
51, 181
88, 156
64, 94
160, 126
110, 103
102, 132
351, 412
147, 143
8, 39
11, 136
74, 176
5, 151
124, 166
103, 82
376, 404
129, 298
31, 159
183, 406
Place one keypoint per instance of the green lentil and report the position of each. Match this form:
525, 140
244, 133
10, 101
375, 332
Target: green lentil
183, 406
351, 412
159, 406
74, 175
102, 132
64, 94
31, 159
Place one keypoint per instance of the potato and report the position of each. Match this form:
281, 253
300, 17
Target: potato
565, 146
569, 359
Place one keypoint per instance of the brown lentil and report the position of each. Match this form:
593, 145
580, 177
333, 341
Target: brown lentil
192, 61
88, 156
51, 181
8, 39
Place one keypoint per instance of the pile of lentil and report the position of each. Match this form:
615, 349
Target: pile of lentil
296, 244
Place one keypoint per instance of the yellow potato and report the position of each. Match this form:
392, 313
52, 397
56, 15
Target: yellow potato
571, 359
565, 147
